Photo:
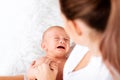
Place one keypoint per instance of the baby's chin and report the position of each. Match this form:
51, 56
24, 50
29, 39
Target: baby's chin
61, 55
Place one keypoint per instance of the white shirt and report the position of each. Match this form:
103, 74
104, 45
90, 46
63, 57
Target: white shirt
95, 70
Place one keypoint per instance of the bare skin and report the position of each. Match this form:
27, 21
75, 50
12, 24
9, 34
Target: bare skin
56, 44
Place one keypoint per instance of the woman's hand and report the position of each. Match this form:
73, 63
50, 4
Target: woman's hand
32, 68
47, 70
30, 74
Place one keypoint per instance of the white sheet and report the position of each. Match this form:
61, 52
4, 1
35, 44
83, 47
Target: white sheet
22, 23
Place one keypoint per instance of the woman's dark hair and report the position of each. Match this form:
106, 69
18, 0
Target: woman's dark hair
94, 12
110, 45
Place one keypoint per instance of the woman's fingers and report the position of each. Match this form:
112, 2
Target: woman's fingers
42, 72
54, 68
45, 72
41, 60
30, 74
44, 68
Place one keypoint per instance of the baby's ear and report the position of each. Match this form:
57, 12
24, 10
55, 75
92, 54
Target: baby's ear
43, 46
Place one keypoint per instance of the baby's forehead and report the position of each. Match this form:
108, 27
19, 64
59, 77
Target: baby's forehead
54, 30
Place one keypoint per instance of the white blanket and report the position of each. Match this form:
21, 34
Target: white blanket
22, 23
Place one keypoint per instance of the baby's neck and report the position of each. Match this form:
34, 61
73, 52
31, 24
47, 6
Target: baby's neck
58, 59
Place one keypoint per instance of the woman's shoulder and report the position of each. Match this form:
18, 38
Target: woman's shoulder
75, 57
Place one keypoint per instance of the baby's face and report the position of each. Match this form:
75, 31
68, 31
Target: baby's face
57, 42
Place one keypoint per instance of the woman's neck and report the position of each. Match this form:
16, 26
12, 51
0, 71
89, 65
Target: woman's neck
95, 48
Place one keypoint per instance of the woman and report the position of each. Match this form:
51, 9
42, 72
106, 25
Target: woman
86, 23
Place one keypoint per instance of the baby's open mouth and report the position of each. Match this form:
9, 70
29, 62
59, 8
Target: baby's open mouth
61, 47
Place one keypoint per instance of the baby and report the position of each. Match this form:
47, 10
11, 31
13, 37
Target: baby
56, 44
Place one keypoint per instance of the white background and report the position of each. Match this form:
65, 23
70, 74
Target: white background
22, 23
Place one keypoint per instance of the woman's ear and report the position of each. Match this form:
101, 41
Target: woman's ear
75, 26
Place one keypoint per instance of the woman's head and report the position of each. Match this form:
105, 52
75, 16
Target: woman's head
93, 12
87, 17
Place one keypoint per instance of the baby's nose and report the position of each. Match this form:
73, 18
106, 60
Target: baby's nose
62, 41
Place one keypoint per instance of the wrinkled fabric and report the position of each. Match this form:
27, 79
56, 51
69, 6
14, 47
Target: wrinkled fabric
95, 70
